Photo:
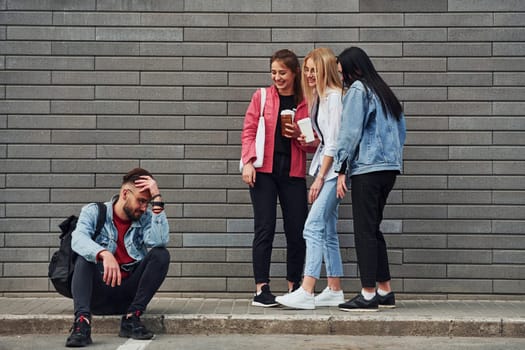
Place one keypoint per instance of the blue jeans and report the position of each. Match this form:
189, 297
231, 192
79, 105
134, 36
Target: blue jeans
320, 233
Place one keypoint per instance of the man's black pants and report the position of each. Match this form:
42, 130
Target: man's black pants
92, 295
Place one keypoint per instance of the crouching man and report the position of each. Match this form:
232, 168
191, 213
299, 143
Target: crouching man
120, 270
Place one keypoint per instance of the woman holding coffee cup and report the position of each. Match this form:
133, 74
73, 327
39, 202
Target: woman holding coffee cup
323, 90
282, 174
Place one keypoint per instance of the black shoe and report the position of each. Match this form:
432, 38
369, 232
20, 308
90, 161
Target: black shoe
132, 327
80, 333
359, 303
388, 301
265, 299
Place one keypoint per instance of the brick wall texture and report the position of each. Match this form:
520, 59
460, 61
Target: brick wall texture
91, 88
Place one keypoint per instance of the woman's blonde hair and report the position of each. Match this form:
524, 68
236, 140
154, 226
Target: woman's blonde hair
327, 76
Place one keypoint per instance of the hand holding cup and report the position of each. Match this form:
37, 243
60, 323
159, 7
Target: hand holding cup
306, 129
287, 126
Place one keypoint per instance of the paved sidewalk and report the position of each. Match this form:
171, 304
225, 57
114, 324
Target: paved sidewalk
227, 316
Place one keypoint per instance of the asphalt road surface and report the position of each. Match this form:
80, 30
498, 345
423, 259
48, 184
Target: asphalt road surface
265, 342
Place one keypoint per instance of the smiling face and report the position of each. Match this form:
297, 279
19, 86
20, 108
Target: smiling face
283, 78
310, 73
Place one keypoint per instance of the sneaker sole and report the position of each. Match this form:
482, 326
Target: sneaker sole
387, 306
80, 345
127, 335
329, 305
359, 310
299, 306
256, 303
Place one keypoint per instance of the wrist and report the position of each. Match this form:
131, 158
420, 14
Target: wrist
320, 177
101, 254
157, 195
157, 204
157, 207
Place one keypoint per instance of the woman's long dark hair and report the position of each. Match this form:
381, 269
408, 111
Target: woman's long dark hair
356, 65
290, 60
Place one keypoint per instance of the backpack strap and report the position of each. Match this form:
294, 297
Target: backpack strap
101, 219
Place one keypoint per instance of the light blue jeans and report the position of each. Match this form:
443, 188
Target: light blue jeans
320, 234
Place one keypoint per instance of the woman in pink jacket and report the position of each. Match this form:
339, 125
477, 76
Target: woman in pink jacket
282, 175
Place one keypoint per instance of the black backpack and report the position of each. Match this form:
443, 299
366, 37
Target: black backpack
62, 262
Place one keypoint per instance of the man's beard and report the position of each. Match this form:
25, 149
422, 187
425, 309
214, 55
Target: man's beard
132, 215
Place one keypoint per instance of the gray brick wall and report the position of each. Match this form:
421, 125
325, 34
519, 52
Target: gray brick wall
90, 89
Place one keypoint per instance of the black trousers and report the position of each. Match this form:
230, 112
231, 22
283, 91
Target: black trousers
291, 192
369, 194
92, 295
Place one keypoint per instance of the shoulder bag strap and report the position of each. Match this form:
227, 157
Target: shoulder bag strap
101, 219
263, 101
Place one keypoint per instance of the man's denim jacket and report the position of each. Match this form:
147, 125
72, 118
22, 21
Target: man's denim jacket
149, 231
368, 141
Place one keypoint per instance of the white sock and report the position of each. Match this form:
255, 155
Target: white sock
381, 292
367, 295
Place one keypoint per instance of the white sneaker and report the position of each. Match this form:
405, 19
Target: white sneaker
299, 299
329, 297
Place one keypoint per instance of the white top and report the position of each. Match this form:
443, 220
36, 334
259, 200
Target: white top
329, 121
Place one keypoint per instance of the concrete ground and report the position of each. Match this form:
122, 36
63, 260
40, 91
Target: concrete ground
208, 316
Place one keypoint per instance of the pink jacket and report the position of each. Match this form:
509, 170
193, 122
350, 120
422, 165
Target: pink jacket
271, 110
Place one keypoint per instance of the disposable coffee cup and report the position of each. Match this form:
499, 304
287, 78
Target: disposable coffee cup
287, 117
306, 129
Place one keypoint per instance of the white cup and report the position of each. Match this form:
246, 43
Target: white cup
306, 129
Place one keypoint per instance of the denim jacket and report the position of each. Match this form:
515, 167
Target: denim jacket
368, 141
149, 231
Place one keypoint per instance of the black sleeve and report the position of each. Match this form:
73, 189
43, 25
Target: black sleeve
343, 167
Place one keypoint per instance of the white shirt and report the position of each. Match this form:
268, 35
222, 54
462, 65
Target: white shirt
329, 121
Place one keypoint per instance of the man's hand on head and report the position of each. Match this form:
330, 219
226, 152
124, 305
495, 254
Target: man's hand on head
147, 183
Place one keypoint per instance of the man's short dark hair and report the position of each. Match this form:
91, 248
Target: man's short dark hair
134, 175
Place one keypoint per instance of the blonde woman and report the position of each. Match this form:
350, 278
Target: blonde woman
323, 90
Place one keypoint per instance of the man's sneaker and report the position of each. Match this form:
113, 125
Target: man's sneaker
80, 333
359, 303
265, 298
299, 299
329, 297
388, 301
132, 327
